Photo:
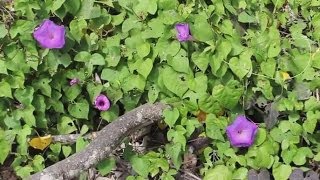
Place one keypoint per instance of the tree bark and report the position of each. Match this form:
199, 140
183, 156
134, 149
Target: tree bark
105, 142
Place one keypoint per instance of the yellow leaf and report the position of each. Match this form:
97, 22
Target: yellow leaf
285, 76
40, 142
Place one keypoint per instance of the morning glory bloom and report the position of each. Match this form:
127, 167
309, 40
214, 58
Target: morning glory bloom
183, 32
102, 102
74, 81
242, 132
49, 35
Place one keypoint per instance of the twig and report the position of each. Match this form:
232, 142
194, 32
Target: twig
107, 140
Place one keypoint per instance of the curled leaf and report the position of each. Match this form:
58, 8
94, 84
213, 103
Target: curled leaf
40, 142
285, 76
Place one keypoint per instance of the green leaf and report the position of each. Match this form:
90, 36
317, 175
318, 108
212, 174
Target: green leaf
317, 157
94, 90
180, 62
3, 67
175, 82
228, 95
174, 152
268, 67
240, 173
214, 127
105, 166
83, 56
201, 60
24, 96
311, 104
143, 49
288, 155
199, 84
66, 126
66, 150
88, 10
301, 155
274, 50
72, 6
79, 110
261, 136
171, 116
57, 4
243, 65
209, 104
145, 68
156, 29
109, 75
167, 4
235, 66
246, 18
72, 92
133, 82
24, 172
3, 30
310, 123
218, 172
21, 27
5, 89
97, 59
38, 163
28, 117
282, 172
153, 93
111, 114
140, 165
264, 159
81, 144
131, 23
4, 150
56, 148
113, 56
177, 135
142, 7
201, 29
265, 87
77, 27
165, 48
43, 85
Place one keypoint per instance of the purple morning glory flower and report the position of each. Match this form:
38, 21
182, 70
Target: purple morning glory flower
49, 35
183, 32
102, 102
74, 81
242, 132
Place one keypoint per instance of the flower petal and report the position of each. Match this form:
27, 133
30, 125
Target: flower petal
242, 132
183, 32
102, 103
49, 35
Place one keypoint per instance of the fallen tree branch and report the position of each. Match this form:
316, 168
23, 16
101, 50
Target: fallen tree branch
72, 138
107, 140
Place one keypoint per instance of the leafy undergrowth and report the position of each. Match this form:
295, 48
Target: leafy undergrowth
258, 58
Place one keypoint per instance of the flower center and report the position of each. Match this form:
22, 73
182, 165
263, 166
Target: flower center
51, 36
101, 103
184, 34
239, 131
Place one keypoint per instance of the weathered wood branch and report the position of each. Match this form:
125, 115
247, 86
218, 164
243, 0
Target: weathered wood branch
107, 140
72, 138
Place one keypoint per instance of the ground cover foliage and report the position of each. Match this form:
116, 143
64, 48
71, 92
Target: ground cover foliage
257, 57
